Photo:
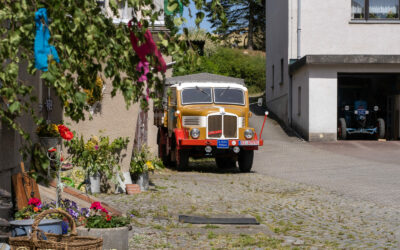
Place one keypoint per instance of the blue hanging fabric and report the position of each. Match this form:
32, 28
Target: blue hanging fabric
42, 48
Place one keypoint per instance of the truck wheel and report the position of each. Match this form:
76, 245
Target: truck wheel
342, 129
183, 161
162, 150
225, 162
380, 129
246, 160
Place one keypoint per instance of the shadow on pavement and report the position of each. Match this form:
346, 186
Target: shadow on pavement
207, 166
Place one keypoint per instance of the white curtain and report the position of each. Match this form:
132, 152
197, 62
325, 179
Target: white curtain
383, 7
357, 7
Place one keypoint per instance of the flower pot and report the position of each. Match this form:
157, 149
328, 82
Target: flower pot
94, 183
50, 142
132, 188
142, 180
121, 186
24, 227
113, 238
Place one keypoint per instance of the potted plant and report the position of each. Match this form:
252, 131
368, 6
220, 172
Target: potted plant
49, 135
112, 229
24, 218
98, 157
142, 163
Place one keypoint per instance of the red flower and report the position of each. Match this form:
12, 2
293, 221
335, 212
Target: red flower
34, 202
51, 150
96, 205
108, 217
65, 133
104, 210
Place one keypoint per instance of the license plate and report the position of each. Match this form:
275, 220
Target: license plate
223, 144
248, 143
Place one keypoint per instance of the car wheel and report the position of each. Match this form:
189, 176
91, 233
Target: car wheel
342, 129
381, 128
225, 162
246, 160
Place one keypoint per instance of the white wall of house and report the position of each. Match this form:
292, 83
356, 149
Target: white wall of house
327, 28
277, 49
300, 104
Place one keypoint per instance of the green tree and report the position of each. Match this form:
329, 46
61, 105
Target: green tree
89, 45
243, 17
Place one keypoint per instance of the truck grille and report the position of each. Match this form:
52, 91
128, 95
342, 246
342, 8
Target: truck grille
230, 126
215, 126
215, 129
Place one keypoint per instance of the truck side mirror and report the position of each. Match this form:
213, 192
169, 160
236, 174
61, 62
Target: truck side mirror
260, 102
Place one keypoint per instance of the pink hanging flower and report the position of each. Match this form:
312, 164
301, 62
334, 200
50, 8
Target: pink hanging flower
143, 66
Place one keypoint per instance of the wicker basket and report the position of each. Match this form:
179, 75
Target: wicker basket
55, 241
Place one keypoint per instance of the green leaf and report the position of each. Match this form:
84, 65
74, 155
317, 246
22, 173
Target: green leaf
15, 106
172, 7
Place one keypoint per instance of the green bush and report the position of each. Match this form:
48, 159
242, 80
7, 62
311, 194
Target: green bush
234, 63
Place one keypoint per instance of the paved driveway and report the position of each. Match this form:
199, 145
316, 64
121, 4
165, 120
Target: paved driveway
366, 170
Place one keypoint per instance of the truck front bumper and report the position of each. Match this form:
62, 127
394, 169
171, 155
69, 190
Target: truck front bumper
247, 144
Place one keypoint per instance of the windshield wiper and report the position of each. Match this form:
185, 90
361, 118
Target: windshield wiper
223, 92
197, 87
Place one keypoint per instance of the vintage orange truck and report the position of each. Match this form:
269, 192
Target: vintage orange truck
206, 115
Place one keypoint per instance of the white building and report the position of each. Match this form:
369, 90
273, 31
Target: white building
329, 53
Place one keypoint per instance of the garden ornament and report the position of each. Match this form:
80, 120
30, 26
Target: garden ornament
42, 48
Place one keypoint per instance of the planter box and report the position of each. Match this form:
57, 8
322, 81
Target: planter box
113, 238
24, 227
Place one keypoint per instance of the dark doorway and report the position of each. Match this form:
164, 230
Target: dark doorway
379, 93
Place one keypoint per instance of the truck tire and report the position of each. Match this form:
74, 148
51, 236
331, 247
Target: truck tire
342, 129
183, 161
162, 150
225, 162
246, 160
380, 129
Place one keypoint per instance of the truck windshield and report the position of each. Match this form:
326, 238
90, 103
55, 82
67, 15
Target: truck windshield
228, 96
196, 95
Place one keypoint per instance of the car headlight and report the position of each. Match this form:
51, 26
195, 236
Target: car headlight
248, 134
195, 133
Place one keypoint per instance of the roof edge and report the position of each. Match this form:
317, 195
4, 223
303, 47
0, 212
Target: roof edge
343, 59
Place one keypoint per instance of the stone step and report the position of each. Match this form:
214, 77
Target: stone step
4, 230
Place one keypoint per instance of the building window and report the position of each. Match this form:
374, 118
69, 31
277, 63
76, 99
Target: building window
281, 72
375, 9
299, 101
273, 77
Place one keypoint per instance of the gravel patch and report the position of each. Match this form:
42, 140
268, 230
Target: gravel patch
291, 214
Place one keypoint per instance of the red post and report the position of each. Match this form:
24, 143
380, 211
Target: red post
265, 119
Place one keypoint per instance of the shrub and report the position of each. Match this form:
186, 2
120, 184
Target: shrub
234, 63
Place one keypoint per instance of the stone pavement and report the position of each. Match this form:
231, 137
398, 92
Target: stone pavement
367, 170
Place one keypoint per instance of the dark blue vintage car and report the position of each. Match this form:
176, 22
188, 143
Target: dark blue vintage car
359, 119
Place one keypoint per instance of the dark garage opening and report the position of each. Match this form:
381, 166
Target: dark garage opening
381, 90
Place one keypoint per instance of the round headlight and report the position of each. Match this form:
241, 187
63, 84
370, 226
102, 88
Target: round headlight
376, 108
195, 133
347, 108
248, 134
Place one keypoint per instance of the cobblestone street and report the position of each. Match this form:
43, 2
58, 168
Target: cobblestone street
305, 195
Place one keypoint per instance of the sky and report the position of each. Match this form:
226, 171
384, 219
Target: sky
191, 21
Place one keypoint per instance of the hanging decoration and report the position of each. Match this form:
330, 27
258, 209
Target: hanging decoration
42, 48
149, 47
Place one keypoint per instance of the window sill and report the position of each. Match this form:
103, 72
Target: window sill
374, 22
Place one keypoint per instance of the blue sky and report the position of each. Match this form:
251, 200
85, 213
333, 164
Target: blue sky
191, 21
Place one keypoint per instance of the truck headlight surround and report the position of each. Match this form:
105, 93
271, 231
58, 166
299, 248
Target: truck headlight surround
195, 133
248, 134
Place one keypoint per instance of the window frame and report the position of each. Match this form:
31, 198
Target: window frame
366, 14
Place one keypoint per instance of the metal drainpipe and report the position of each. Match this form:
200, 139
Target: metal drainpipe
298, 29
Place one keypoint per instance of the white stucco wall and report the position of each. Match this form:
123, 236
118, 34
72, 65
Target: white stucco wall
327, 29
300, 121
277, 48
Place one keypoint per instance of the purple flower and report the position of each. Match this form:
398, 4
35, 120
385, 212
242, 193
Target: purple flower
96, 147
132, 215
73, 204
